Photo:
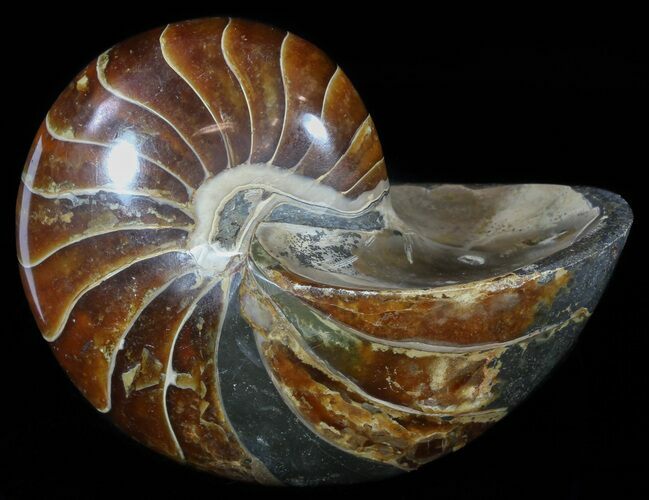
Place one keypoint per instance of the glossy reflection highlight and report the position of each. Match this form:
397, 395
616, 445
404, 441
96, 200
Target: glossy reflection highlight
210, 244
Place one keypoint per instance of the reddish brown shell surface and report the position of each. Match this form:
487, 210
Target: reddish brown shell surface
206, 241
109, 202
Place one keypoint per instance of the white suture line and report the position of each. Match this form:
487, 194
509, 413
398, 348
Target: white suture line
66, 314
231, 66
358, 132
286, 100
324, 365
170, 373
322, 118
113, 358
219, 126
71, 194
162, 166
226, 288
364, 176
335, 373
102, 80
226, 283
84, 236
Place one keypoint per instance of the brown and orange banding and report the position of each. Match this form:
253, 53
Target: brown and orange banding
347, 419
367, 426
497, 310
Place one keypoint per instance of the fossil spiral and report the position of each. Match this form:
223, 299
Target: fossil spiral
209, 243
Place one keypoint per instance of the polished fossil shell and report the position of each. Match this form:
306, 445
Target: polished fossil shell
208, 241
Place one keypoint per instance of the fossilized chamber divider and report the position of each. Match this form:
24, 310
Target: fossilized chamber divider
86, 112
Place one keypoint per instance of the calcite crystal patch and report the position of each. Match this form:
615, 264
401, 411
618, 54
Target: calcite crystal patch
210, 244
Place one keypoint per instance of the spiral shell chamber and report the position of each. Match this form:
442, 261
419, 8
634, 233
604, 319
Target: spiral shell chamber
209, 244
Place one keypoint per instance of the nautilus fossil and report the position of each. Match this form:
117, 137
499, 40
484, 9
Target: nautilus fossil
210, 245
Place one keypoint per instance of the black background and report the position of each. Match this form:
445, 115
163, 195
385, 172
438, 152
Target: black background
454, 102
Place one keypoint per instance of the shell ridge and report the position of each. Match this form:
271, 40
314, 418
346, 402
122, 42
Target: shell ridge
170, 373
71, 194
156, 293
232, 67
50, 130
102, 62
217, 122
367, 174
300, 164
356, 135
283, 74
331, 371
248, 386
83, 237
289, 404
227, 291
61, 324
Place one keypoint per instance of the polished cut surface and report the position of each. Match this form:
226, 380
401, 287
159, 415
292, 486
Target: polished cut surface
209, 243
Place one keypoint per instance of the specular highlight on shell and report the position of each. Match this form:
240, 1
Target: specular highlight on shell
210, 244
